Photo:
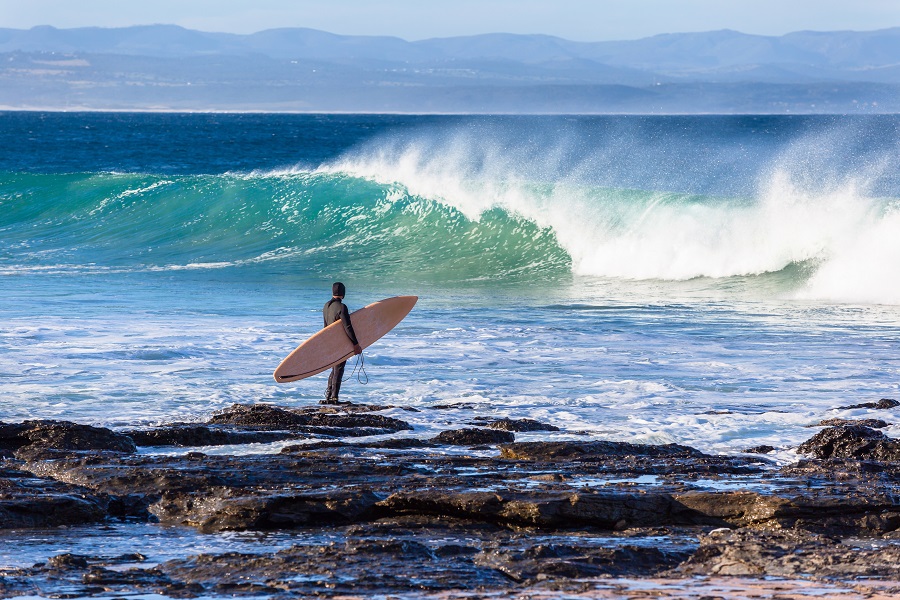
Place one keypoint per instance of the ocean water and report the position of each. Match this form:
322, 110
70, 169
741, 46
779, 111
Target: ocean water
716, 281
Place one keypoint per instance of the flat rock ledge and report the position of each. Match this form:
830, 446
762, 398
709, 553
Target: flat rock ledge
873, 423
470, 509
35, 437
787, 554
883, 404
521, 425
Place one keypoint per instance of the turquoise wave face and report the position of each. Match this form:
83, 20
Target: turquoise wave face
367, 222
306, 223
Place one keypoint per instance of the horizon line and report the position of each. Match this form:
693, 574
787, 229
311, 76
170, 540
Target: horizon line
474, 35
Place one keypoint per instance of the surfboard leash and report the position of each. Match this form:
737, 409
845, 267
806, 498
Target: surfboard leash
359, 370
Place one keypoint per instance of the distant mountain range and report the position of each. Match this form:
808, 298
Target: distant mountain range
165, 67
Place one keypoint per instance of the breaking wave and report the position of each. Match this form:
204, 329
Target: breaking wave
465, 206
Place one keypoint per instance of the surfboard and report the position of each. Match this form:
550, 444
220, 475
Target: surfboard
331, 345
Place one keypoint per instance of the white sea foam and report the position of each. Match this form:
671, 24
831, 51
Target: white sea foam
797, 214
138, 191
717, 378
863, 266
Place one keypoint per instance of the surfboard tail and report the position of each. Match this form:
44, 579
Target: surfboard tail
288, 377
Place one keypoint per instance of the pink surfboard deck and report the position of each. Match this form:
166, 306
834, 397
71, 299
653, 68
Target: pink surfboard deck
331, 345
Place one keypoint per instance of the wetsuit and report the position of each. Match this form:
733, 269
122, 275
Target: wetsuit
335, 310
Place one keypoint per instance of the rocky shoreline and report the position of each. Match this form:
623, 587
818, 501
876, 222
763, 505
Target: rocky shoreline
470, 511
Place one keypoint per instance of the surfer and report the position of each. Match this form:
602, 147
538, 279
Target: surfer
336, 310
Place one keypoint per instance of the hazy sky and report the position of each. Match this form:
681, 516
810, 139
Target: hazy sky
586, 20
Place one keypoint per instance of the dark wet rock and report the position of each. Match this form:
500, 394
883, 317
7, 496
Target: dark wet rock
856, 442
263, 423
257, 415
473, 437
867, 473
873, 423
787, 554
63, 435
71, 575
393, 559
592, 450
397, 444
227, 492
50, 511
603, 510
305, 486
314, 447
261, 512
354, 568
154, 475
201, 480
387, 424
33, 437
349, 408
28, 501
115, 579
577, 562
287, 491
11, 435
265, 416
847, 510
68, 561
520, 425
188, 435
388, 444
132, 507
454, 550
735, 508
396, 559
139, 476
763, 449
883, 404
129, 557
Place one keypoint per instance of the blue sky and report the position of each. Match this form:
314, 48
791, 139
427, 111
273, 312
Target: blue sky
585, 20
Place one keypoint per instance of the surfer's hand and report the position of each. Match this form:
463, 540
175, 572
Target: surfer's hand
357, 349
